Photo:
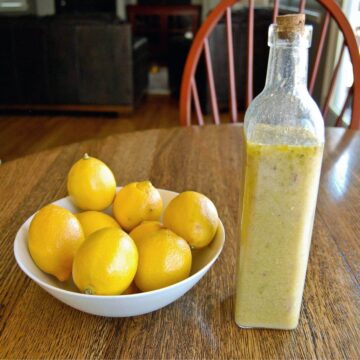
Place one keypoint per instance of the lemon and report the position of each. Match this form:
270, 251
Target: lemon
91, 184
132, 289
92, 221
192, 216
55, 235
144, 229
106, 263
136, 202
164, 259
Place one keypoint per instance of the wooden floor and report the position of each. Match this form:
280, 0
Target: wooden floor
25, 133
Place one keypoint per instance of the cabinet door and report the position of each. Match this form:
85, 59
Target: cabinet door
105, 64
9, 91
30, 60
63, 64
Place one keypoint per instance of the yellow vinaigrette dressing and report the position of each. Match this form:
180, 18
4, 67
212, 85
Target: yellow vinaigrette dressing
284, 140
279, 199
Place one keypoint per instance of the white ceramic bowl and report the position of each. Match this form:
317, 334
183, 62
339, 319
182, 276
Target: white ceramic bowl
120, 305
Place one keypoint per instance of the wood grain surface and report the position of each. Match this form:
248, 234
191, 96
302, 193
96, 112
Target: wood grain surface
30, 132
22, 135
201, 323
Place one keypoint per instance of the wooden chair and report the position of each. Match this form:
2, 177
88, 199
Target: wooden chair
200, 44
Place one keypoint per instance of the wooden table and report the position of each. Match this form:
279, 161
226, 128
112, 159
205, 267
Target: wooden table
201, 323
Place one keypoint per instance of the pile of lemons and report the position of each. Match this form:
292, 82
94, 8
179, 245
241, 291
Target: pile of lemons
128, 252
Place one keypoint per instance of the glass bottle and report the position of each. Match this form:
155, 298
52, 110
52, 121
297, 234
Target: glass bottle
284, 139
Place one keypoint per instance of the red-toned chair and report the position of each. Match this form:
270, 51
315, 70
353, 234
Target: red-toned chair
189, 91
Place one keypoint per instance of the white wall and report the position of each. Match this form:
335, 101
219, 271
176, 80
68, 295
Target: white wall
121, 7
45, 7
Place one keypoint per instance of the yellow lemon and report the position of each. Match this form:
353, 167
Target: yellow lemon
106, 263
164, 259
136, 202
192, 216
144, 229
55, 235
132, 289
91, 184
92, 221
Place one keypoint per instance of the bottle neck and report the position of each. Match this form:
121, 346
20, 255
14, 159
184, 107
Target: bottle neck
287, 68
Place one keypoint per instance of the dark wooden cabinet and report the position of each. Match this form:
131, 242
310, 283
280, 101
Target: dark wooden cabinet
71, 63
160, 23
85, 6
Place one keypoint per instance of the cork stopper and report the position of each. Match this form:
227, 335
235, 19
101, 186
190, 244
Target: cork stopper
290, 24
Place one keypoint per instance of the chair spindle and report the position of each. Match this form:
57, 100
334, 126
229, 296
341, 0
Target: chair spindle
332, 83
276, 10
210, 75
319, 51
195, 96
250, 54
230, 45
302, 6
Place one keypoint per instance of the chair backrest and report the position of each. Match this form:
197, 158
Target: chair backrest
189, 90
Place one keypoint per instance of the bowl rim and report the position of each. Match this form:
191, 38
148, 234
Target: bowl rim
18, 239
